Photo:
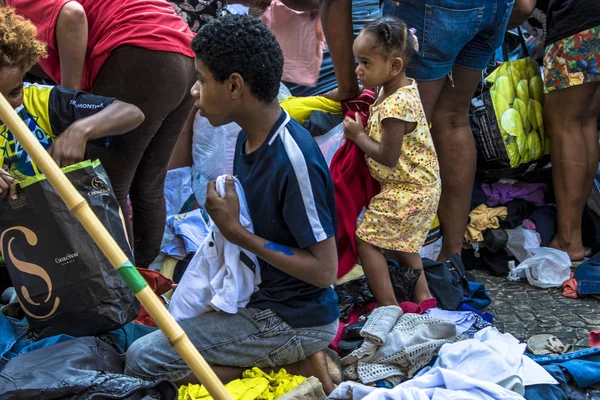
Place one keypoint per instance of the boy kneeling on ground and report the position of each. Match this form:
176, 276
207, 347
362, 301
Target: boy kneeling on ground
293, 316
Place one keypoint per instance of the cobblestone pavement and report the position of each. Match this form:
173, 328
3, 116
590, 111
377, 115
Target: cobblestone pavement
524, 310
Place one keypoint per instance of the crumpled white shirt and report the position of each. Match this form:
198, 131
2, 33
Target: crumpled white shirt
221, 276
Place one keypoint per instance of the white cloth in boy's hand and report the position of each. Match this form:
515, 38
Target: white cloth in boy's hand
221, 276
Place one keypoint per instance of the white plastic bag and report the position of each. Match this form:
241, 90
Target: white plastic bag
331, 142
547, 268
432, 250
213, 149
284, 93
522, 242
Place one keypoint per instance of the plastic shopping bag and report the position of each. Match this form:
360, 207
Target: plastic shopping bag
547, 268
331, 142
64, 282
213, 150
507, 121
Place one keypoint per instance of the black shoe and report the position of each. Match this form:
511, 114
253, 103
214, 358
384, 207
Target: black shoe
348, 346
352, 331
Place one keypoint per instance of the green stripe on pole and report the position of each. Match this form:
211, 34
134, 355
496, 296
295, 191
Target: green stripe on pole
132, 277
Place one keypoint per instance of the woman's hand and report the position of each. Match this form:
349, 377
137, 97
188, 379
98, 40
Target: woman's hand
338, 95
7, 185
353, 128
69, 147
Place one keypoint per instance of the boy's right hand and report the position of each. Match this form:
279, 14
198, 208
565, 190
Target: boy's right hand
8, 185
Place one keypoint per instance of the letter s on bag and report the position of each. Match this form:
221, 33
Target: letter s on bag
29, 268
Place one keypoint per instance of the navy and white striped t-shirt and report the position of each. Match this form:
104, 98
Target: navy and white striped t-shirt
291, 202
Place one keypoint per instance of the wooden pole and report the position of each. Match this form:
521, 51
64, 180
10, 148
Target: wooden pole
80, 208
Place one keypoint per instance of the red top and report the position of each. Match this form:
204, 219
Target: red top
151, 24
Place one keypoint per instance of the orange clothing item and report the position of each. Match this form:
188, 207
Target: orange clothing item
570, 287
302, 41
150, 24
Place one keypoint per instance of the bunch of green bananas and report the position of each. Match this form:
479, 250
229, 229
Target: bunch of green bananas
518, 96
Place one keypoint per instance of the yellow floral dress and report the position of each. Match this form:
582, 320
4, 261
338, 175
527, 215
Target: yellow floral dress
399, 217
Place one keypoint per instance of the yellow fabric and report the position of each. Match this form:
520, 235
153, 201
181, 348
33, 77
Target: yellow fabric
434, 232
300, 108
254, 385
168, 269
355, 273
483, 218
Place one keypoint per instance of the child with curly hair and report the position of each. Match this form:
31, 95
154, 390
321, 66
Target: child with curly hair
62, 120
400, 155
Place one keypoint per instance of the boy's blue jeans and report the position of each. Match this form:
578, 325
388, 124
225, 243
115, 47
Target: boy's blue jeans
250, 338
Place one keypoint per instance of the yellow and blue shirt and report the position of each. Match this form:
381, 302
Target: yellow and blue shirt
47, 111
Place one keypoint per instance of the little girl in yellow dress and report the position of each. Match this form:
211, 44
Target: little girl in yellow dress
400, 155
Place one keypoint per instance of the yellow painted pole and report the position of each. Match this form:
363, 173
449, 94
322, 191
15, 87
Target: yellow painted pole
80, 208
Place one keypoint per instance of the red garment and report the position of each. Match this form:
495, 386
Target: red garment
594, 338
361, 104
408, 307
159, 284
353, 184
150, 24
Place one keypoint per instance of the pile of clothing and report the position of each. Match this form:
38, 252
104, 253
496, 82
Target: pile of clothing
512, 223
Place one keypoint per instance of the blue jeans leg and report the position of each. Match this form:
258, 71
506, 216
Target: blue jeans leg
249, 338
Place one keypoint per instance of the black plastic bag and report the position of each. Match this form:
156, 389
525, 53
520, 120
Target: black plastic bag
357, 292
64, 282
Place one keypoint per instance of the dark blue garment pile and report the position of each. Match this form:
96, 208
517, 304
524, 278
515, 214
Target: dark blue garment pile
15, 339
575, 372
477, 296
82, 368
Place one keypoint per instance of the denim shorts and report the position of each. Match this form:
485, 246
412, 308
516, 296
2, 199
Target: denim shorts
452, 32
250, 338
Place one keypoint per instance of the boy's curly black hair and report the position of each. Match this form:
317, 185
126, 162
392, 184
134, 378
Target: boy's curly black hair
242, 44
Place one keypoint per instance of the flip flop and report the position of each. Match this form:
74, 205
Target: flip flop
546, 344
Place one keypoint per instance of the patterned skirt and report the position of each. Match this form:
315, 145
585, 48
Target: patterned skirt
400, 216
573, 61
